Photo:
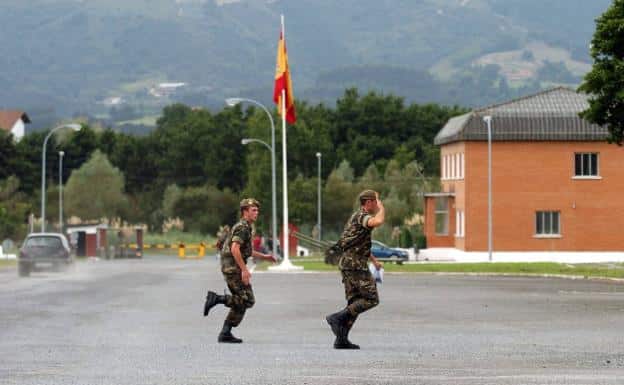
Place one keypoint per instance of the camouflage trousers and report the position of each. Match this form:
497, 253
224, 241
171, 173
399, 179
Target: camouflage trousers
241, 298
360, 291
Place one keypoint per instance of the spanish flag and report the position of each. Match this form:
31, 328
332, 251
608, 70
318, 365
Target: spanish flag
283, 82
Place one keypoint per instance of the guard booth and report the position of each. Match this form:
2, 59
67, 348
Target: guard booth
128, 243
86, 240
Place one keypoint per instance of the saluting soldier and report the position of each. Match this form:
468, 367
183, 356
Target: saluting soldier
236, 250
360, 287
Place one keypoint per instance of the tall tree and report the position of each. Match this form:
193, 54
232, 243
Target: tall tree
605, 82
28, 161
339, 198
96, 190
196, 147
13, 209
205, 208
8, 154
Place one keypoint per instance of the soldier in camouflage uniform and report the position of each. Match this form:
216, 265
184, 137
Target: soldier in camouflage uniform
360, 288
234, 255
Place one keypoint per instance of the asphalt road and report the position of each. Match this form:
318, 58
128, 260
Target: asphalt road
140, 322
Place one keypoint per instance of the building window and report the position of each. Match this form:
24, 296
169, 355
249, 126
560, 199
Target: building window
462, 167
441, 216
459, 224
547, 223
462, 224
452, 166
586, 164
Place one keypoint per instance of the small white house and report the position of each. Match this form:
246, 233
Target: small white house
14, 121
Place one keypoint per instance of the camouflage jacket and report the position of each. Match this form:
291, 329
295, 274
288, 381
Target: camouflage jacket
356, 242
241, 233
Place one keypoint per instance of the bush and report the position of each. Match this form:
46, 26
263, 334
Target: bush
405, 240
204, 209
421, 242
14, 208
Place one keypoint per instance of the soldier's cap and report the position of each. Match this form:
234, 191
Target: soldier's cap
247, 202
368, 194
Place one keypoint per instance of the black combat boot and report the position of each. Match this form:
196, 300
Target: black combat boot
226, 334
212, 299
338, 322
344, 343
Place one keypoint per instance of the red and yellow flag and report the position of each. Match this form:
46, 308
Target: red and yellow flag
283, 82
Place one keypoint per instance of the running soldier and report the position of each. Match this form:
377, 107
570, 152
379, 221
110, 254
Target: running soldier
360, 287
236, 251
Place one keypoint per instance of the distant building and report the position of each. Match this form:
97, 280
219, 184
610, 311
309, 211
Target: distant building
556, 184
113, 101
14, 121
166, 89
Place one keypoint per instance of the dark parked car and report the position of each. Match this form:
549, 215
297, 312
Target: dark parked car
42, 251
385, 253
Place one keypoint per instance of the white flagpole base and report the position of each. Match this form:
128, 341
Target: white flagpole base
285, 266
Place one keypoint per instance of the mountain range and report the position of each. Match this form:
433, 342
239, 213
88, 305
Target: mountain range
86, 57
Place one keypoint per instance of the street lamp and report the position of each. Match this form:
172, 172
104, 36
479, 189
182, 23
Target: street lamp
234, 101
488, 120
61, 154
318, 220
246, 141
74, 127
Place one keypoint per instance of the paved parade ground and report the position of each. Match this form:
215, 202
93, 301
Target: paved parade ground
140, 322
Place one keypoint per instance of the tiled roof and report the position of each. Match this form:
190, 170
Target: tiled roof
9, 117
550, 115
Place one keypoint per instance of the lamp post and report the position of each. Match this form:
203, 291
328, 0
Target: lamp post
318, 220
246, 141
61, 154
234, 101
74, 127
488, 120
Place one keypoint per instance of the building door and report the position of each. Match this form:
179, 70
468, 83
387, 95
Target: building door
81, 250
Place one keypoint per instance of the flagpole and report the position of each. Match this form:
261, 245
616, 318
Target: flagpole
286, 265
285, 249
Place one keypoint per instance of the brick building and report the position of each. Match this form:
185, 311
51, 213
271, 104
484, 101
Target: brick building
557, 185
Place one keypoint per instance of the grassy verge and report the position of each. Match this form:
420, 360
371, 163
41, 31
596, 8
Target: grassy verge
585, 270
7, 263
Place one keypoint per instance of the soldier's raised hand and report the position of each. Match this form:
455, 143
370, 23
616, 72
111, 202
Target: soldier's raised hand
378, 200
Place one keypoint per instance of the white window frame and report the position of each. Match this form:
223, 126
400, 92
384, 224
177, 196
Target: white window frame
550, 233
452, 158
588, 176
436, 212
453, 166
459, 224
463, 224
461, 166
